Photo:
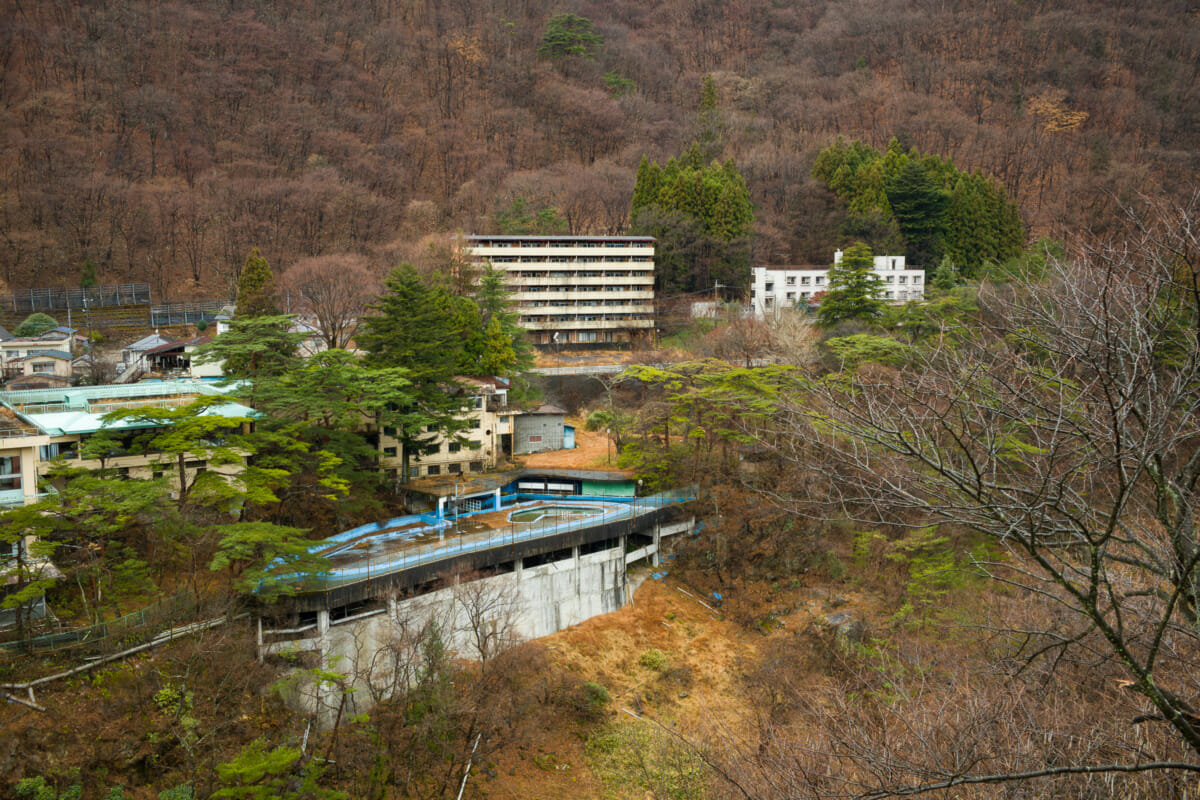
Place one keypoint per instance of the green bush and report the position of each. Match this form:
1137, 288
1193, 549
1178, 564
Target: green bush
653, 659
597, 695
36, 324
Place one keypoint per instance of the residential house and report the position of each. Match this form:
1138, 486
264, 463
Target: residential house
133, 354
15, 350
175, 359
43, 369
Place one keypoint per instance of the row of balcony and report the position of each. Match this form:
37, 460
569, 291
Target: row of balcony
541, 251
568, 279
540, 324
550, 297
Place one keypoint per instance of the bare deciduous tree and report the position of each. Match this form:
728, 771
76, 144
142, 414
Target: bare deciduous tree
1066, 429
488, 611
335, 290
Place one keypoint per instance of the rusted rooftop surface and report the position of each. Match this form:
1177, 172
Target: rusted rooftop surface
13, 425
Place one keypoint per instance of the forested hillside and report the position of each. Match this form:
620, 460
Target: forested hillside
164, 140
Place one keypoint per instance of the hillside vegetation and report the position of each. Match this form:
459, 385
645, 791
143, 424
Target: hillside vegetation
164, 140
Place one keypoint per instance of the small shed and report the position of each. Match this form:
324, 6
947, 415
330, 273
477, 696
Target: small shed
132, 353
539, 430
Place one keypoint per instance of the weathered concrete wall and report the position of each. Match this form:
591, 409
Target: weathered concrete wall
547, 427
381, 653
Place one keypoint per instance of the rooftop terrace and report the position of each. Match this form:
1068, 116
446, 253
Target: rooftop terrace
80, 409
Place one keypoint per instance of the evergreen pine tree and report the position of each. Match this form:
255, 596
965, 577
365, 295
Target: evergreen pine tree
646, 186
854, 289
416, 326
256, 293
920, 208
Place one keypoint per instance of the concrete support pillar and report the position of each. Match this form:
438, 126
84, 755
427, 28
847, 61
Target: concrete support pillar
441, 512
497, 496
393, 608
29, 473
577, 578
519, 568
656, 556
323, 647
260, 641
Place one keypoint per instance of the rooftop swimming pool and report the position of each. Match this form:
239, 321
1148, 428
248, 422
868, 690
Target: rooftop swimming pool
550, 511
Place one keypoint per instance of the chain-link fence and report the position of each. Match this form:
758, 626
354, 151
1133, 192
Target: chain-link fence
52, 299
111, 635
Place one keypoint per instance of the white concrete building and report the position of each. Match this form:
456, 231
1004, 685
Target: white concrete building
776, 288
575, 290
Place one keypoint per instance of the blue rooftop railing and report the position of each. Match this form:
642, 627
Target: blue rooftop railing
450, 545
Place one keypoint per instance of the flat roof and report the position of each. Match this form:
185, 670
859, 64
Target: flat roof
478, 483
80, 409
554, 238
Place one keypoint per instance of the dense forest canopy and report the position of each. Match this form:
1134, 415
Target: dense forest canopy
162, 141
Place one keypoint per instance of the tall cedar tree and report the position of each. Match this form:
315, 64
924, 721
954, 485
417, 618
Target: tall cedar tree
920, 208
569, 35
937, 208
414, 328
256, 294
506, 351
254, 349
854, 289
701, 216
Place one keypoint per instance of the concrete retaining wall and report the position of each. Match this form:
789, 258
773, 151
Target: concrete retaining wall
380, 652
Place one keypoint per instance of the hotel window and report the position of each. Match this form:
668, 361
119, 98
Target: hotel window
804, 281
433, 470
10, 473
820, 279
791, 281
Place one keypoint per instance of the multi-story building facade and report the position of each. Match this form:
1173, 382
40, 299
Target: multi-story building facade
575, 290
479, 447
777, 288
